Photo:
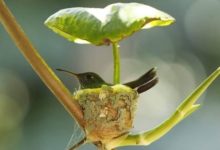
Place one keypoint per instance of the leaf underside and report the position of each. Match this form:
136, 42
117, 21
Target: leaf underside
102, 26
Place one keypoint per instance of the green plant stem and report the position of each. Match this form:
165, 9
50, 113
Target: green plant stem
39, 65
186, 108
116, 56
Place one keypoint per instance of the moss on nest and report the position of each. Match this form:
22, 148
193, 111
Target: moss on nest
108, 111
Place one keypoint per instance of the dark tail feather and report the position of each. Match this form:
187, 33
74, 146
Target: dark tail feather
147, 86
143, 79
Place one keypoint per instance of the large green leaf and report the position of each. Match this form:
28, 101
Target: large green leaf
104, 26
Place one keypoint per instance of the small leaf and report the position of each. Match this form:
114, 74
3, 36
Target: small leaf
108, 25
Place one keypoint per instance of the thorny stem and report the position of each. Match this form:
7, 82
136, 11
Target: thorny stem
39, 65
116, 56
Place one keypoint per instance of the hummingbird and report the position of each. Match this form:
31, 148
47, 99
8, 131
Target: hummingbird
87, 79
93, 80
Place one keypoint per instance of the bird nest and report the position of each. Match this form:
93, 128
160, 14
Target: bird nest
108, 111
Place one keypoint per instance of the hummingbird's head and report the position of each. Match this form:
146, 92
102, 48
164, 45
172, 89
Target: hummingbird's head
87, 79
90, 80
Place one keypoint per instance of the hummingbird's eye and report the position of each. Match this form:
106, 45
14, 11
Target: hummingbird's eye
89, 77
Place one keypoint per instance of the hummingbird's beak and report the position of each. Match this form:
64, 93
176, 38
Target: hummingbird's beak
69, 72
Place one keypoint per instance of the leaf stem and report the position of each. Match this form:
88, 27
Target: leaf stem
116, 56
39, 65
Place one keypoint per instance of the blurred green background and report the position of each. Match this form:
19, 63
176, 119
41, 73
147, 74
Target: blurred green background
184, 53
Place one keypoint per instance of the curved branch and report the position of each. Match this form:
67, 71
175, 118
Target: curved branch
39, 65
186, 108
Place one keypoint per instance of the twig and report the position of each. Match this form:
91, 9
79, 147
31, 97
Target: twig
83, 141
39, 65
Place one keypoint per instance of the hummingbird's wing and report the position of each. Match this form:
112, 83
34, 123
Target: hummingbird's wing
148, 76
